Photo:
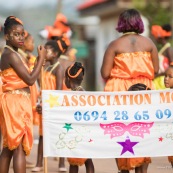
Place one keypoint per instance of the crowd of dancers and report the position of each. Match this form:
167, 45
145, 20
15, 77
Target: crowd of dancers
131, 62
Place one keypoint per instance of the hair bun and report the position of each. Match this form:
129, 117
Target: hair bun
78, 64
167, 27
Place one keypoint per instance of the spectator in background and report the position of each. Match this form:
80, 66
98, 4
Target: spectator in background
163, 34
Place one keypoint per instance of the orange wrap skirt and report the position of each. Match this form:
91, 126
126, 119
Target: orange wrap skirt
76, 161
120, 84
170, 159
16, 120
131, 163
34, 98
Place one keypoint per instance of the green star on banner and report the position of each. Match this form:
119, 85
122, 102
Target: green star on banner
67, 126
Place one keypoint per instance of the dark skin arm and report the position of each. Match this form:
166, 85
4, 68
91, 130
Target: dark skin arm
155, 59
16, 63
108, 61
169, 53
59, 73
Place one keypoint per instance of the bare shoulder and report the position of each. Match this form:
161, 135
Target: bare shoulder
146, 40
59, 69
8, 59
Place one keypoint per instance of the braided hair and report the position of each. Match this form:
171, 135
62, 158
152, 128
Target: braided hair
11, 21
138, 87
59, 45
75, 72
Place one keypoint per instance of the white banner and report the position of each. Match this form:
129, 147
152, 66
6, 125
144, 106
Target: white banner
107, 124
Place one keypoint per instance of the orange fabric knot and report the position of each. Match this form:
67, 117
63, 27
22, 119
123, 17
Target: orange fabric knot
158, 32
66, 39
76, 75
17, 19
26, 33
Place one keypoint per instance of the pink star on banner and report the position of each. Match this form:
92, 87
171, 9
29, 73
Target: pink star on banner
161, 139
127, 146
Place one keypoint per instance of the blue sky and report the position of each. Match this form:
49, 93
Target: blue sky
11, 4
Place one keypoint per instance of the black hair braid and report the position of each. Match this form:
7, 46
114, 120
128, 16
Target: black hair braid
138, 87
9, 22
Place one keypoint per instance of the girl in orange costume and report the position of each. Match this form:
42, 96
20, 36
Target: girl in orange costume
53, 77
30, 60
16, 119
128, 60
73, 78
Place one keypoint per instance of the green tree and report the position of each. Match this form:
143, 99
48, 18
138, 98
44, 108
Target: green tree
154, 10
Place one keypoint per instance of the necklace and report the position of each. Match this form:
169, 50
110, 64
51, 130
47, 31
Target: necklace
53, 66
9, 47
128, 33
20, 56
77, 88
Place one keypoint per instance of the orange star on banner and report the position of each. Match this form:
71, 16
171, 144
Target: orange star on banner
53, 101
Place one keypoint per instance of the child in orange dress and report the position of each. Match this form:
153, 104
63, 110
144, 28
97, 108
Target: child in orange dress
16, 110
168, 81
139, 164
73, 78
53, 78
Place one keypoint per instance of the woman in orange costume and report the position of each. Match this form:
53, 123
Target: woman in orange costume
130, 59
53, 78
162, 35
16, 119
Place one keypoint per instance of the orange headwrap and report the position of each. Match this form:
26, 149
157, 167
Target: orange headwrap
53, 31
61, 23
158, 32
17, 19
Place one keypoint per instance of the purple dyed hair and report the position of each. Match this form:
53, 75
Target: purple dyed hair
130, 21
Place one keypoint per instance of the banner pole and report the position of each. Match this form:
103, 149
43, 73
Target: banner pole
45, 165
41, 87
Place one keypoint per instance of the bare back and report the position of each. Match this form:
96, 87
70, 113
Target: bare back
127, 44
132, 43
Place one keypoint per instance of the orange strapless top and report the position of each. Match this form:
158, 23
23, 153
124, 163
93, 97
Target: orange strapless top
132, 65
49, 81
11, 80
